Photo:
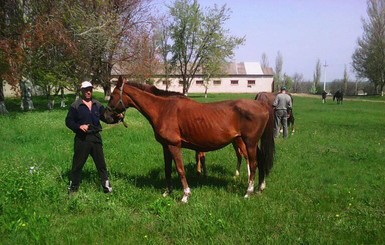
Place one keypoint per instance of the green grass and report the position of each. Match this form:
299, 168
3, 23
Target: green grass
326, 186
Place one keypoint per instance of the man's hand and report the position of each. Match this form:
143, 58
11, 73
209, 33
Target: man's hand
84, 127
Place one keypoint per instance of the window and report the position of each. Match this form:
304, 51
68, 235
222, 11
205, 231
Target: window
199, 82
234, 82
250, 83
180, 83
217, 82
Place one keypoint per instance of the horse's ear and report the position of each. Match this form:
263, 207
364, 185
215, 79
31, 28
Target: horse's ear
120, 81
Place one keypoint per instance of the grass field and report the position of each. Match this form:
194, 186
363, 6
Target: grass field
326, 186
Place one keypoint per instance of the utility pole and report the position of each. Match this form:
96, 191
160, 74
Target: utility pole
325, 65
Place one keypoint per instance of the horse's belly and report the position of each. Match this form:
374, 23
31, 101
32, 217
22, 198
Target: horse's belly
208, 141
203, 147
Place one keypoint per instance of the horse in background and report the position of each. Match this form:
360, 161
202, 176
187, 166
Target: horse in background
269, 98
339, 96
184, 123
324, 94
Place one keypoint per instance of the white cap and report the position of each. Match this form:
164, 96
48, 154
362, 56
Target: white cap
86, 84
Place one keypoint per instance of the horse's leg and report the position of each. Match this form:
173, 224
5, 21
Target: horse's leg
200, 158
168, 169
252, 155
261, 171
198, 163
292, 125
240, 149
203, 163
177, 156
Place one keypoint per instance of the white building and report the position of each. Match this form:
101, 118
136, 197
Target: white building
243, 77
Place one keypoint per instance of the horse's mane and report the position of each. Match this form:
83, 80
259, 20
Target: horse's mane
154, 90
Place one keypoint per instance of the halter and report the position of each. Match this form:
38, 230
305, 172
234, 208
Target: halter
120, 101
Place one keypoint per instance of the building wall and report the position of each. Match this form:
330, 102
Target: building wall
262, 84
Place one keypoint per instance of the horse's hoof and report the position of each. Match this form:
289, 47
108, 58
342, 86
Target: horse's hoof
258, 193
262, 186
184, 199
166, 193
236, 176
248, 194
186, 195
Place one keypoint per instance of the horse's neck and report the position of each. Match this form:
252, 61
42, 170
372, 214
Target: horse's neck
147, 104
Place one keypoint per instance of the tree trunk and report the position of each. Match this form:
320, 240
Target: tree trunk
26, 94
107, 91
62, 101
3, 109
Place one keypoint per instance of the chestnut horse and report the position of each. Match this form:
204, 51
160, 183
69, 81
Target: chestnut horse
184, 123
200, 157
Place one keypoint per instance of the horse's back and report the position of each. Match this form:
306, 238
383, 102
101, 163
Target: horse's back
216, 124
266, 97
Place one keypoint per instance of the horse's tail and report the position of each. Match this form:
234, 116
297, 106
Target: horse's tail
267, 146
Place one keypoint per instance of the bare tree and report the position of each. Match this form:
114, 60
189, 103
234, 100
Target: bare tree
163, 36
116, 32
297, 80
278, 71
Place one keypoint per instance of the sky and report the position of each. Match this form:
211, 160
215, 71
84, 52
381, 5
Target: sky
303, 31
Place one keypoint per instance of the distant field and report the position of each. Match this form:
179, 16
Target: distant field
326, 186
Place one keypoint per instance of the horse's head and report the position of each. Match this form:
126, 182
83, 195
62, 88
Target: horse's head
118, 103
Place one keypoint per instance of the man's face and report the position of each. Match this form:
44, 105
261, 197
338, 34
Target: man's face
87, 93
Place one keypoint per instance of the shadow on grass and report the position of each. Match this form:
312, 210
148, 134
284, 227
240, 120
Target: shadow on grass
155, 178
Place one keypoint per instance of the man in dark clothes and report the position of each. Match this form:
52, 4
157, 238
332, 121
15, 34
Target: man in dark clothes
83, 119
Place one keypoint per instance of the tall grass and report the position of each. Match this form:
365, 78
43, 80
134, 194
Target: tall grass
326, 186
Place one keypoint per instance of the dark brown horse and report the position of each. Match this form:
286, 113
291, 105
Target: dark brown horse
339, 96
184, 123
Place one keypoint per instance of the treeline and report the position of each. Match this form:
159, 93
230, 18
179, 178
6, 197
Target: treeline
351, 89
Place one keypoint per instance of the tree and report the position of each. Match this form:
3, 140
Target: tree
278, 71
164, 48
316, 77
197, 36
116, 32
264, 61
213, 67
297, 80
12, 35
369, 56
287, 82
345, 80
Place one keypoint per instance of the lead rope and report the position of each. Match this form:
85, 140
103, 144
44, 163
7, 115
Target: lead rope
121, 101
